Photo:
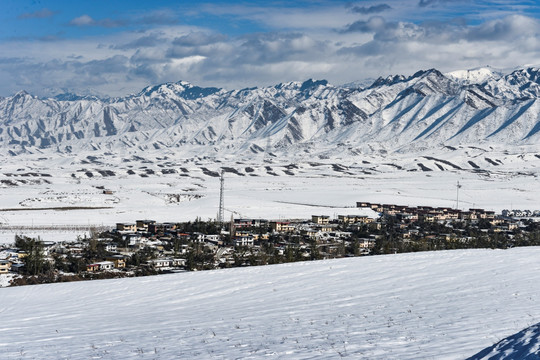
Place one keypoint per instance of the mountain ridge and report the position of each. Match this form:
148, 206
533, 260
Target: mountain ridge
396, 113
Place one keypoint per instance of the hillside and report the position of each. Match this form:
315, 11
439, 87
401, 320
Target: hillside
425, 110
444, 305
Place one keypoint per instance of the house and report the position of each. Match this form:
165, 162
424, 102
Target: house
100, 266
5, 265
197, 237
427, 216
160, 263
178, 262
405, 216
320, 219
241, 223
92, 267
353, 219
377, 207
363, 204
143, 224
366, 243
243, 240
161, 228
111, 247
467, 215
311, 233
281, 226
128, 227
118, 260
213, 239
325, 228
105, 265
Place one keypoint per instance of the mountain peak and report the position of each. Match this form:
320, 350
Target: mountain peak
389, 80
475, 76
21, 93
310, 84
180, 88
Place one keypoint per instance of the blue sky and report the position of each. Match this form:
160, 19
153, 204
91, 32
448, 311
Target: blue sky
118, 47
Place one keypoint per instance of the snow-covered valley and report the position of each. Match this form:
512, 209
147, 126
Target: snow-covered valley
431, 305
45, 195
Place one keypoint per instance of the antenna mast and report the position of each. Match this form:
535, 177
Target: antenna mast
458, 186
221, 202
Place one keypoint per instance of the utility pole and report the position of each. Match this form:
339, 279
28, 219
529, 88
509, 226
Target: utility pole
221, 201
458, 186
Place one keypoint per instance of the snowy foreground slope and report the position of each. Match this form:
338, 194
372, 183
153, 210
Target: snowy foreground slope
436, 305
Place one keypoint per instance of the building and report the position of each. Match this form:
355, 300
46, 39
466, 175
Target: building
243, 241
281, 226
241, 223
100, 266
161, 227
143, 224
320, 219
160, 263
5, 265
353, 219
128, 227
118, 260
111, 247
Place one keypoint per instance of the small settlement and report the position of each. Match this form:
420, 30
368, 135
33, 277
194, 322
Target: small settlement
148, 247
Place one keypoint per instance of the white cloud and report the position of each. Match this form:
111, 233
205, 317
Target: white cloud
83, 20
328, 42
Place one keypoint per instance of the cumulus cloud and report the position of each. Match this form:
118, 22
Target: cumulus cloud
355, 44
507, 29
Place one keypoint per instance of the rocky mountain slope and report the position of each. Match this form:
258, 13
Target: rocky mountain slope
398, 113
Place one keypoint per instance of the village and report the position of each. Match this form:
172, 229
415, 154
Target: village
148, 247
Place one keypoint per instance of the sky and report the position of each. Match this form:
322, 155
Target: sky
116, 48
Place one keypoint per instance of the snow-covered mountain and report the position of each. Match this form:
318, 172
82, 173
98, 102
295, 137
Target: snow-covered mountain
397, 113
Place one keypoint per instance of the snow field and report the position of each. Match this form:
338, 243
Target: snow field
431, 305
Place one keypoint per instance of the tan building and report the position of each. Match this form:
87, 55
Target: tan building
4, 266
320, 219
126, 227
353, 219
118, 261
281, 226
